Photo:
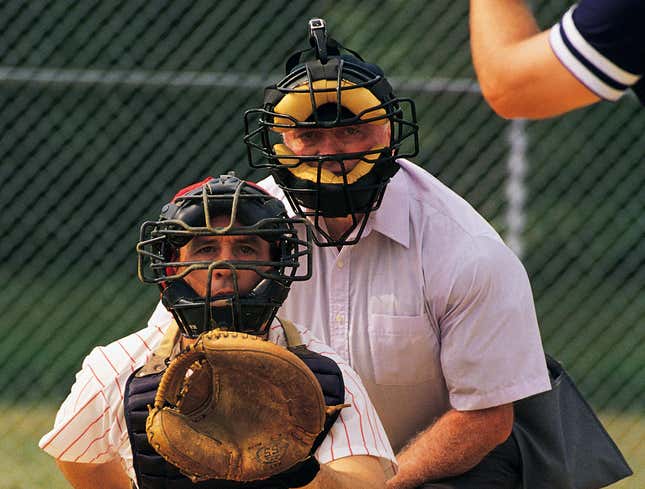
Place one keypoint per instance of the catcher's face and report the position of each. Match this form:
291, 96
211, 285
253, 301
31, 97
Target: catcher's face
224, 248
337, 140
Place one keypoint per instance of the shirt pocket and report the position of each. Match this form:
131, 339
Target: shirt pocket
404, 349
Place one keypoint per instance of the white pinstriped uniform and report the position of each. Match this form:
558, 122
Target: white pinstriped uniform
90, 424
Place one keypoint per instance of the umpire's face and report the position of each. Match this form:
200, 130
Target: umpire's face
337, 141
224, 248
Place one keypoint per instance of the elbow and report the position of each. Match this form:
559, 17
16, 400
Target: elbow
503, 90
499, 98
497, 424
503, 434
504, 424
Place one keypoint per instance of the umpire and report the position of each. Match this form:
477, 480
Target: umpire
416, 290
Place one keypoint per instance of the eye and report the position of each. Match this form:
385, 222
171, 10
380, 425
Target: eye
351, 131
247, 250
307, 136
207, 250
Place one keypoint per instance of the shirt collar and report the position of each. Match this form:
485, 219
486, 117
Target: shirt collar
392, 219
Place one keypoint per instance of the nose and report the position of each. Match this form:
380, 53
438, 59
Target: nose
328, 145
222, 281
222, 272
225, 254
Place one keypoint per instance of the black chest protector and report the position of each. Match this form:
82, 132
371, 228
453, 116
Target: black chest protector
154, 472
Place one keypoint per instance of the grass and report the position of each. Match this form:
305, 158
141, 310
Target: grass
25, 466
22, 463
628, 431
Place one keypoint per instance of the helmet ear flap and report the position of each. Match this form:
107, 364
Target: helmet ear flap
169, 211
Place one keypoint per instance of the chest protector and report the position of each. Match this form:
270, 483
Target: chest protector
152, 470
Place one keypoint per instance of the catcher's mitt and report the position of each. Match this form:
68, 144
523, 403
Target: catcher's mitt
236, 407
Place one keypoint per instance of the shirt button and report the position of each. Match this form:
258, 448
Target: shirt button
340, 318
340, 263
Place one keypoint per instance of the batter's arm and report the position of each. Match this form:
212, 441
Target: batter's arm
519, 75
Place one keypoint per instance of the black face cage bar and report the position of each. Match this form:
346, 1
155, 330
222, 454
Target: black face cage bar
260, 136
157, 254
358, 219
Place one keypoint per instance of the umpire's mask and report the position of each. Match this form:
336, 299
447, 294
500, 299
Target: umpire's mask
330, 92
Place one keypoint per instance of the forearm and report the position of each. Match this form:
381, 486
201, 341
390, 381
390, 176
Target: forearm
357, 472
109, 475
457, 442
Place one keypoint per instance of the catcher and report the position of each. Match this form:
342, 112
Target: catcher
225, 395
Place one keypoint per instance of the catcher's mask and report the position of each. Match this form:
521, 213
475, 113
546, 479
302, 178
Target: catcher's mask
249, 211
325, 88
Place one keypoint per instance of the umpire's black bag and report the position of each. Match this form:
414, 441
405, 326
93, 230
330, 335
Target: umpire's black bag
562, 443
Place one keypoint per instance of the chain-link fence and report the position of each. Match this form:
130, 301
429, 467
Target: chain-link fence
107, 107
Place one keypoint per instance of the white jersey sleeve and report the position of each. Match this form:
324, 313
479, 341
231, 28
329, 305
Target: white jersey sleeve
86, 426
90, 424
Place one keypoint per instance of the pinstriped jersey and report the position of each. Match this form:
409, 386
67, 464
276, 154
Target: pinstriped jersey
602, 43
90, 424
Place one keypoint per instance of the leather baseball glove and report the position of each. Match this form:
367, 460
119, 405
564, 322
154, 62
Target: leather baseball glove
236, 407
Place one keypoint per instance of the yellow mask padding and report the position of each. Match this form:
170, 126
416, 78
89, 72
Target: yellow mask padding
298, 104
306, 172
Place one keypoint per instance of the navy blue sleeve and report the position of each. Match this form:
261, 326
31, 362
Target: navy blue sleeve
616, 29
602, 43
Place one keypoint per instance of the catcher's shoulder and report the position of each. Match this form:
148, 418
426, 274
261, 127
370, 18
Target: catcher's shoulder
122, 356
316, 345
